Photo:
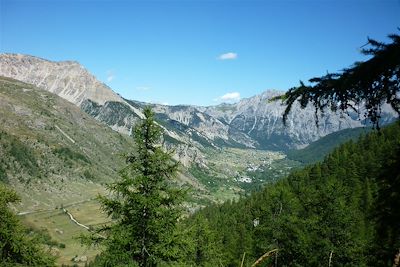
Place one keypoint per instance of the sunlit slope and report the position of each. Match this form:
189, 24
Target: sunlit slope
51, 151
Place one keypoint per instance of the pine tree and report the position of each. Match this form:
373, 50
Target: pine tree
143, 204
387, 210
204, 249
16, 248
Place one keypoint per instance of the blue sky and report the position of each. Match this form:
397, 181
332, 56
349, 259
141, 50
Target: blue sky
196, 52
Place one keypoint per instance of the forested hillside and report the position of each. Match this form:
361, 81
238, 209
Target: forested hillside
317, 150
343, 211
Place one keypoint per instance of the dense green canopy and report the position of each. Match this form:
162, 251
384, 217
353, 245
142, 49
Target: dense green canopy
344, 210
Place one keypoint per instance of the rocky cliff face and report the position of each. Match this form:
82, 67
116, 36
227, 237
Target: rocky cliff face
256, 122
261, 120
217, 131
253, 122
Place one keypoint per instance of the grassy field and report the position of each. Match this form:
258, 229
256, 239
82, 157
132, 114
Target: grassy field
64, 231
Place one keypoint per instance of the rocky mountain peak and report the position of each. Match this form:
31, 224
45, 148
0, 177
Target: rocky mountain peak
68, 79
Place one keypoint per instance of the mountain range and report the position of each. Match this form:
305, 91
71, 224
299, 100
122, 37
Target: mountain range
253, 122
222, 148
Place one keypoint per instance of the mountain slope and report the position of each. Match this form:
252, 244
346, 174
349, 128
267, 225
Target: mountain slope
213, 129
67, 79
52, 152
317, 150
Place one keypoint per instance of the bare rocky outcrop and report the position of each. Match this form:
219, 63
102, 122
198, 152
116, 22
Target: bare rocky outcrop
68, 79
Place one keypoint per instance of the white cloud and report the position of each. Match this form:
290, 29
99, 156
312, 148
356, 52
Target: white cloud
229, 97
110, 76
228, 56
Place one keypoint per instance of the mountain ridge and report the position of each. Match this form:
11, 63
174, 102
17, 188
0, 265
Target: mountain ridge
59, 77
253, 122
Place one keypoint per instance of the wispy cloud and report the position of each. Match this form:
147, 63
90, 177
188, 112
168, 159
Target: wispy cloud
228, 56
110, 75
228, 97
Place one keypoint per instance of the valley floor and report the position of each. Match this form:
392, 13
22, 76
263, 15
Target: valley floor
58, 224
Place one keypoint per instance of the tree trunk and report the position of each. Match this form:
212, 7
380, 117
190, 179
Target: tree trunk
330, 258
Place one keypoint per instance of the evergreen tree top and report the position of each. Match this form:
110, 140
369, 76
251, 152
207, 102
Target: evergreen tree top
368, 84
143, 204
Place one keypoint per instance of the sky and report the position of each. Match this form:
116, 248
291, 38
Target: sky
198, 52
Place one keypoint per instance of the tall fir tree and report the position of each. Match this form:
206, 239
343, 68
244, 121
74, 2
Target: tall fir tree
143, 204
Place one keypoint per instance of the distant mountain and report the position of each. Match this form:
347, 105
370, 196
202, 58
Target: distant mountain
256, 122
217, 131
253, 123
261, 120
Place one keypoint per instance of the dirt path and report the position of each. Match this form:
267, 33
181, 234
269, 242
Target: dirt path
75, 221
80, 224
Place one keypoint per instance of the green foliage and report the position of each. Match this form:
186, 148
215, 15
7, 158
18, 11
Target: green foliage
205, 177
16, 248
88, 175
317, 150
143, 205
65, 153
167, 138
202, 248
269, 174
346, 206
368, 84
3, 175
23, 155
387, 209
43, 237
